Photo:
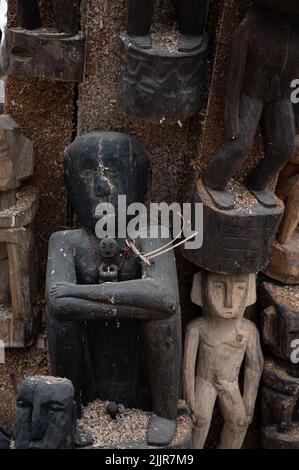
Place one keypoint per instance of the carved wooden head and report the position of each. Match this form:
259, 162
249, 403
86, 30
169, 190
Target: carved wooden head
287, 6
45, 414
16, 155
224, 295
101, 166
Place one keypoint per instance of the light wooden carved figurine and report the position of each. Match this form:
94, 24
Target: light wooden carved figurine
285, 256
18, 261
215, 348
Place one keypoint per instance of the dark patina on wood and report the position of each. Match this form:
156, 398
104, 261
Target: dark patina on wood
235, 241
161, 86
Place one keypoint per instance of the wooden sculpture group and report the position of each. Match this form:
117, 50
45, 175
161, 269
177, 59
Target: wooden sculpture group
105, 304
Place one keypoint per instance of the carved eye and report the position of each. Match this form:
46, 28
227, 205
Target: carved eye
57, 407
218, 286
24, 404
241, 287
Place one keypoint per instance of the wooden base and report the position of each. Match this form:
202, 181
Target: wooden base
183, 442
44, 53
280, 320
19, 319
160, 86
272, 439
280, 395
235, 241
284, 265
24, 211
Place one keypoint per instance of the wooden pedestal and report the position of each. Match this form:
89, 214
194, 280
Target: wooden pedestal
18, 320
280, 406
160, 86
44, 53
234, 241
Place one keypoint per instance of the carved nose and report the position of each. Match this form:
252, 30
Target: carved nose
229, 297
38, 428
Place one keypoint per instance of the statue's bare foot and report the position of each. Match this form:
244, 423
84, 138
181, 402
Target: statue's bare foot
83, 438
264, 197
222, 199
189, 43
144, 42
160, 431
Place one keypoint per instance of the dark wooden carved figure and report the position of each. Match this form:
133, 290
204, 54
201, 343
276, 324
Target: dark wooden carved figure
46, 414
215, 348
264, 62
66, 15
192, 19
98, 168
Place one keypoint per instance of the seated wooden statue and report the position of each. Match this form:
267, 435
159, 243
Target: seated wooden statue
214, 352
90, 279
192, 19
66, 15
263, 65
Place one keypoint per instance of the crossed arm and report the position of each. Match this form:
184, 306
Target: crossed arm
153, 297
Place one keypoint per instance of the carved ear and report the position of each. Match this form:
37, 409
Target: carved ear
251, 299
196, 293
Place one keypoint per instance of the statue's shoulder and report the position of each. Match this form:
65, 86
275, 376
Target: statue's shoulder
70, 237
197, 325
248, 327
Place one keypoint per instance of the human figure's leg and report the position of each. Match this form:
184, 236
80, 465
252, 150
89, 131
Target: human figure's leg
66, 14
28, 15
204, 402
192, 20
66, 352
139, 22
235, 419
221, 169
162, 340
278, 129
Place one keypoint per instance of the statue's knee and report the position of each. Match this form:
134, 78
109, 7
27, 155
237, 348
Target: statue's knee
202, 421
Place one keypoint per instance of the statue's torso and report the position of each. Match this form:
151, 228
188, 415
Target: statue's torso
220, 354
88, 258
272, 54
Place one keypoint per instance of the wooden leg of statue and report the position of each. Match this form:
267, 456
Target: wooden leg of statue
192, 19
140, 17
162, 341
66, 13
66, 361
204, 402
28, 16
221, 169
278, 129
235, 420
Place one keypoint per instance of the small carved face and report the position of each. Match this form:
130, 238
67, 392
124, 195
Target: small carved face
227, 294
108, 247
45, 415
286, 6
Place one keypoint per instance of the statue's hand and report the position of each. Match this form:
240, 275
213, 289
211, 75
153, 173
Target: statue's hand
62, 289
